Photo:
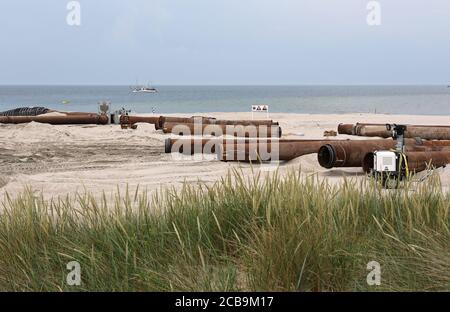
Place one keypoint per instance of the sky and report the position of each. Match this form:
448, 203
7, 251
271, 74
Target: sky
225, 42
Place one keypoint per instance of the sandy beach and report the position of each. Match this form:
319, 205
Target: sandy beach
61, 160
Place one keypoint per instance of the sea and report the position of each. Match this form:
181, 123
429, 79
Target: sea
419, 100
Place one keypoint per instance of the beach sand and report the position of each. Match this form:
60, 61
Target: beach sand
61, 160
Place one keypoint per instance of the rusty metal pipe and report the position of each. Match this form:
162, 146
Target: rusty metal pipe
73, 113
351, 129
345, 129
58, 120
419, 161
373, 131
246, 122
204, 119
352, 153
283, 150
207, 146
192, 146
219, 130
213, 121
183, 120
426, 132
410, 125
129, 121
377, 129
430, 143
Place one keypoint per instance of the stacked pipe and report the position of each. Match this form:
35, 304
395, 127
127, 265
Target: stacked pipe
238, 130
426, 132
129, 121
430, 147
214, 121
67, 119
349, 153
205, 146
246, 150
192, 146
353, 153
277, 150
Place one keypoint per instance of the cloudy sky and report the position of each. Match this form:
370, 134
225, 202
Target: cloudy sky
214, 42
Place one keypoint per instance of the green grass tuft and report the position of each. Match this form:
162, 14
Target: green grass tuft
242, 233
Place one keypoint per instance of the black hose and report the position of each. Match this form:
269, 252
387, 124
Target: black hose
25, 111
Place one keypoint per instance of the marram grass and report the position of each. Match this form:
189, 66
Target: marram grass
268, 233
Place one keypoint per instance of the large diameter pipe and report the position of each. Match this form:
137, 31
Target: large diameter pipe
246, 122
345, 129
417, 161
183, 120
353, 129
410, 125
219, 130
73, 113
191, 146
424, 132
129, 121
283, 150
198, 146
207, 146
58, 120
428, 133
362, 128
373, 131
366, 128
352, 153
213, 121
430, 143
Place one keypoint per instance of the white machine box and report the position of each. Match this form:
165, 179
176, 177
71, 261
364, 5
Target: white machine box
385, 161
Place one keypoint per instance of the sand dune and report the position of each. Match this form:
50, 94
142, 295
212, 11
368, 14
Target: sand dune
58, 160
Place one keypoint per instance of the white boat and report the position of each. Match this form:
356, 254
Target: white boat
144, 89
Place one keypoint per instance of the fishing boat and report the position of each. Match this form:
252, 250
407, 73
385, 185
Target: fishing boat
144, 89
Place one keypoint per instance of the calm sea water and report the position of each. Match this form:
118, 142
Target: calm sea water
433, 100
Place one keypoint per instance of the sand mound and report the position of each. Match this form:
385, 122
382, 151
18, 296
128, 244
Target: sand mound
34, 131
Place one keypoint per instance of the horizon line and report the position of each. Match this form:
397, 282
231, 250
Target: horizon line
230, 85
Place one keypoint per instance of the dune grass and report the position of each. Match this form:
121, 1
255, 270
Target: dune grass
253, 233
